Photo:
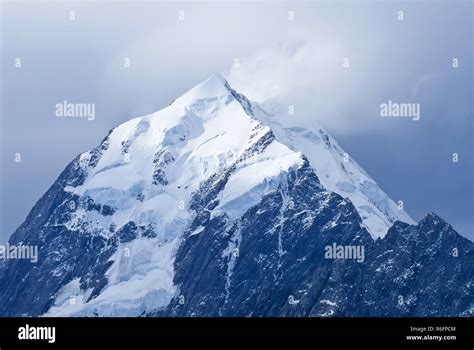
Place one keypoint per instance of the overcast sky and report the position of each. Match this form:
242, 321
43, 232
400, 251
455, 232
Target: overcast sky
296, 62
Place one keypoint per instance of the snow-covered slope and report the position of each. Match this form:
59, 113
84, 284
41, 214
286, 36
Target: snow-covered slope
336, 170
147, 171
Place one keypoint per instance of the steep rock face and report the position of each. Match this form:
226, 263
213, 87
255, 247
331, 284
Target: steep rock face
272, 262
29, 288
270, 259
202, 209
424, 269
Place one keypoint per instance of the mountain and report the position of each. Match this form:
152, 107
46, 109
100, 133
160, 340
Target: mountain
212, 207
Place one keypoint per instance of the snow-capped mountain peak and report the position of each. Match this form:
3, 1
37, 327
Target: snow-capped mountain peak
213, 206
212, 87
146, 170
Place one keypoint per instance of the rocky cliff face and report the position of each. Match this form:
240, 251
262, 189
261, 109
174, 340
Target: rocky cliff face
273, 262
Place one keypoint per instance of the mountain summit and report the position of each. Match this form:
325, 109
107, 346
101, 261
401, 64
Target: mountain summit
211, 207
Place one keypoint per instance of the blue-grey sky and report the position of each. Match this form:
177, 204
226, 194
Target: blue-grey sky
297, 62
